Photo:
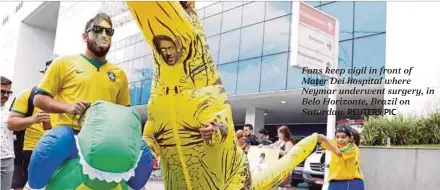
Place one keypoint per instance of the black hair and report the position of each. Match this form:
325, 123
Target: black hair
263, 155
263, 131
96, 19
159, 38
5, 81
350, 132
249, 125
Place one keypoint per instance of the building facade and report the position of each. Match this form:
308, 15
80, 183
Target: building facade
250, 42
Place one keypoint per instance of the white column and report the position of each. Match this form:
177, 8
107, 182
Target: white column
255, 116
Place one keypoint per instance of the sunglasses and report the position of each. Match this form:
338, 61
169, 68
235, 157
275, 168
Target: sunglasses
6, 92
98, 29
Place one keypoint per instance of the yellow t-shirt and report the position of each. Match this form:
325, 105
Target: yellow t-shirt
75, 77
36, 131
348, 165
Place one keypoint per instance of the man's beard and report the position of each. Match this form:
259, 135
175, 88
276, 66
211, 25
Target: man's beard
98, 51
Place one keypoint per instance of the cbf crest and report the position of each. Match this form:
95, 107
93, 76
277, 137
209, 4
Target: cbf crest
111, 76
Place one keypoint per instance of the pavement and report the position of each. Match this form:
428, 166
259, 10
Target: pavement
156, 184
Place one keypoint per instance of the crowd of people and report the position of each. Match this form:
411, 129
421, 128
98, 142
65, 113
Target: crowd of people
71, 83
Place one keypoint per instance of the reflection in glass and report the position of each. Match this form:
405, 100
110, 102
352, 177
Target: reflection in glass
370, 52
135, 93
119, 56
129, 51
136, 70
248, 76
147, 69
231, 19
370, 18
345, 56
228, 73
212, 25
201, 13
343, 11
312, 3
145, 93
276, 35
213, 9
273, 72
231, 4
229, 46
253, 13
214, 46
277, 8
251, 41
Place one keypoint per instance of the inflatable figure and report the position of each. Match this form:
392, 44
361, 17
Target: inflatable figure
187, 94
108, 152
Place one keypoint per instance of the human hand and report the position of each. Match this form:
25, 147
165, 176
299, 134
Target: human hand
47, 126
78, 107
206, 131
40, 117
321, 138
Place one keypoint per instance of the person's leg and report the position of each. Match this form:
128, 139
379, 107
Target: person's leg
18, 174
26, 159
338, 185
356, 184
51, 151
7, 171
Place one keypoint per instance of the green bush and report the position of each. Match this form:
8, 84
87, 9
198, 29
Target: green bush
401, 130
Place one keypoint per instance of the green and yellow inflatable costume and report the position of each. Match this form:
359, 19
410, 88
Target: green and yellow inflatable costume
187, 93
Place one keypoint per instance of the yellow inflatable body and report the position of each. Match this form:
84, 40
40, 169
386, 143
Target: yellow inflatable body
186, 94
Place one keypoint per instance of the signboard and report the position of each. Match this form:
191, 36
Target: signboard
314, 38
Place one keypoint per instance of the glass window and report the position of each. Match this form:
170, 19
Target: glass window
248, 76
345, 56
370, 18
135, 93
251, 41
147, 69
136, 70
312, 3
111, 57
119, 56
229, 46
228, 73
253, 13
273, 72
214, 46
231, 19
213, 9
369, 52
128, 52
343, 11
201, 13
277, 8
276, 41
295, 77
145, 93
138, 49
231, 4
212, 25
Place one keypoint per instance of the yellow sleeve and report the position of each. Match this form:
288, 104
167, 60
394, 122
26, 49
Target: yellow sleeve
52, 80
326, 146
21, 103
350, 154
124, 94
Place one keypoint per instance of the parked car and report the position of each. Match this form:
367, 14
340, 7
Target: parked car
313, 171
297, 175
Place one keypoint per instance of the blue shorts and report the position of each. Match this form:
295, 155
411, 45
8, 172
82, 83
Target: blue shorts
355, 184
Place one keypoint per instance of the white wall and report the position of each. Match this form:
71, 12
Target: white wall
9, 36
34, 48
413, 35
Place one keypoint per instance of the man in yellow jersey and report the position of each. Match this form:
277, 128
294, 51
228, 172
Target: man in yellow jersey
76, 81
33, 123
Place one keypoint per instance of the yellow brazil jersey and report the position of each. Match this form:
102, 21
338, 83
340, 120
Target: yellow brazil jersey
75, 77
36, 131
348, 165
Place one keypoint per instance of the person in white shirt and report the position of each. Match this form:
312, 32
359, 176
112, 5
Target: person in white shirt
7, 138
